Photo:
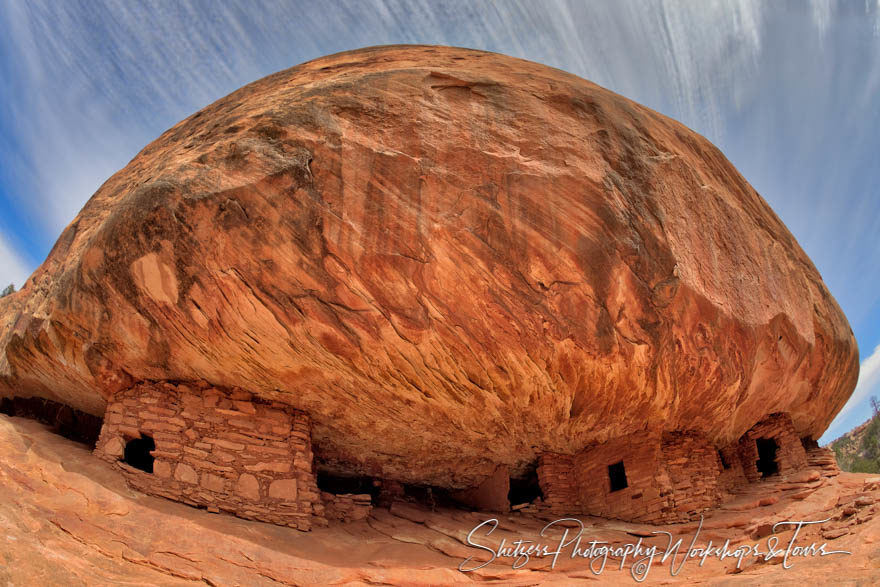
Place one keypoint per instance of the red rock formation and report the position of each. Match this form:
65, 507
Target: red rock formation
449, 259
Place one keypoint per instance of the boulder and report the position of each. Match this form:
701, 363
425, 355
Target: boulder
450, 259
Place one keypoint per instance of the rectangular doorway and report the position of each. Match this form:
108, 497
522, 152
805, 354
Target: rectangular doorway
766, 463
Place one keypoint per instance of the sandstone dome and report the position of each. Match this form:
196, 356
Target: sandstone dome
450, 259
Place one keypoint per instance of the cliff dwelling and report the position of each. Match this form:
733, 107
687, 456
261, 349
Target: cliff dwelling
304, 302
226, 450
217, 449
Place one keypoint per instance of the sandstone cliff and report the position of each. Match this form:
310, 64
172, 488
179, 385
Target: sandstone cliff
449, 259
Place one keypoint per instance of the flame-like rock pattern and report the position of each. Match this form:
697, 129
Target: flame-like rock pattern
452, 260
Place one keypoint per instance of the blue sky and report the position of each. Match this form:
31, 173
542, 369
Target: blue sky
789, 90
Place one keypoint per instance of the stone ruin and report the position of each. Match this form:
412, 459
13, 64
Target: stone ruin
226, 450
223, 450
666, 478
449, 274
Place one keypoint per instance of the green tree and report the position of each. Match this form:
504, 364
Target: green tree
860, 453
7, 290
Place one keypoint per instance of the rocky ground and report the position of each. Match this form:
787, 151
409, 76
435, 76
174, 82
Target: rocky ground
69, 519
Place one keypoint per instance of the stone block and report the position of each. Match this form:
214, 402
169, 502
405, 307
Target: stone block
248, 487
213, 482
161, 468
114, 447
223, 456
185, 473
226, 444
244, 406
275, 467
284, 489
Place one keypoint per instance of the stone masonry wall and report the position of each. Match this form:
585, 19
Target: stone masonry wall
669, 478
823, 459
790, 456
225, 450
691, 467
489, 496
643, 499
557, 482
347, 507
732, 475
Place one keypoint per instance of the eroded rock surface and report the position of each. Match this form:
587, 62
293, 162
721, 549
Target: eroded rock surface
69, 519
450, 259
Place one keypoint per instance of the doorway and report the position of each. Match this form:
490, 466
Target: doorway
617, 476
766, 463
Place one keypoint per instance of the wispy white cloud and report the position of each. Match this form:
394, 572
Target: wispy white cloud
876, 18
13, 268
89, 97
857, 409
821, 13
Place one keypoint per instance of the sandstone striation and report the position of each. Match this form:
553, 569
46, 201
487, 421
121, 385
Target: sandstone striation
450, 261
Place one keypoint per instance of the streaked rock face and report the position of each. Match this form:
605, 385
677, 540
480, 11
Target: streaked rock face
450, 259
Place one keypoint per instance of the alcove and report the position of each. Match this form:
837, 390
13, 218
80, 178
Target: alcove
339, 485
525, 488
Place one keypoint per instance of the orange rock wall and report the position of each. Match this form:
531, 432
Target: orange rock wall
223, 450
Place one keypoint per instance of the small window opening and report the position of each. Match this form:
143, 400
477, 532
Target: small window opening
766, 463
137, 453
525, 488
617, 476
724, 462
